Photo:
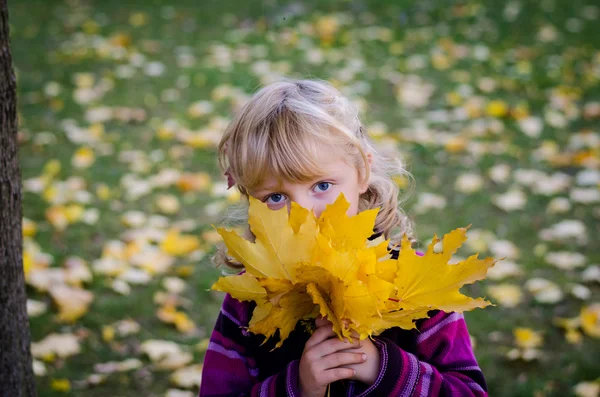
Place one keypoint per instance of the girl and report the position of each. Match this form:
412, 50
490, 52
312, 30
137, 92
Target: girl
302, 141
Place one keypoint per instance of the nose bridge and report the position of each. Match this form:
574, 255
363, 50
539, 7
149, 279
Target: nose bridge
304, 200
310, 203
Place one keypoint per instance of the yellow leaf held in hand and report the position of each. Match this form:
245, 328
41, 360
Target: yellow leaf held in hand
284, 315
328, 294
300, 267
428, 280
243, 287
343, 230
277, 249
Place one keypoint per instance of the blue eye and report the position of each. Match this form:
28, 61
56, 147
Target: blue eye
277, 198
323, 186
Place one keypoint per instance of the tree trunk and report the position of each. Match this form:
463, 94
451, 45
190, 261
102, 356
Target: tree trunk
16, 373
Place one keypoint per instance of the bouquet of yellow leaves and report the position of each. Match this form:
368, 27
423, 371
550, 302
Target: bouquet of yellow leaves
301, 266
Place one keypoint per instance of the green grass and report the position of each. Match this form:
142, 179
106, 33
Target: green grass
42, 32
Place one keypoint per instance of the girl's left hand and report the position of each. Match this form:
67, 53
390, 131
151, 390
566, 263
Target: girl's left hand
368, 371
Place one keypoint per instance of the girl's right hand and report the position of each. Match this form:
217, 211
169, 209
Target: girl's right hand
322, 361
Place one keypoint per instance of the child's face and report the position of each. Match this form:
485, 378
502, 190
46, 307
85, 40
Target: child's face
339, 178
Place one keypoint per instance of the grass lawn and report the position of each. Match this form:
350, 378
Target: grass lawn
494, 105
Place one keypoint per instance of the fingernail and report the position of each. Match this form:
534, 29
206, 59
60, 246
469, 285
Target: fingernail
364, 357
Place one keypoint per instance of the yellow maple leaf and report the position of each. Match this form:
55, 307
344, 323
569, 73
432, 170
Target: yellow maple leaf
397, 318
29, 228
333, 311
27, 262
284, 315
178, 244
278, 248
344, 231
60, 385
299, 267
328, 293
272, 300
590, 319
428, 280
169, 314
526, 338
242, 287
72, 302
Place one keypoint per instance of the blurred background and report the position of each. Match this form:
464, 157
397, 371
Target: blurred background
494, 105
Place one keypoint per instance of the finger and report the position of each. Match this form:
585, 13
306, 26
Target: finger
353, 350
320, 322
333, 345
348, 343
341, 359
364, 346
319, 336
335, 374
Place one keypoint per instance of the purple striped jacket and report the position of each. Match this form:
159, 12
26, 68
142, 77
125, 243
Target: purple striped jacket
436, 359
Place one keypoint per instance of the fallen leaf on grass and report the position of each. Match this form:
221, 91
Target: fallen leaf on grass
166, 354
72, 302
56, 345
187, 377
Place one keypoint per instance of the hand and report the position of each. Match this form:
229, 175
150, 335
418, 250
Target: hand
367, 371
325, 360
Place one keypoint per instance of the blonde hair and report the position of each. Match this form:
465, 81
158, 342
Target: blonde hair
281, 131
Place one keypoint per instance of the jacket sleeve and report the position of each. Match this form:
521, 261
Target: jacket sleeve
230, 370
443, 364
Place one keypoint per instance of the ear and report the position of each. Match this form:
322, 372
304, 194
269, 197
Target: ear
365, 185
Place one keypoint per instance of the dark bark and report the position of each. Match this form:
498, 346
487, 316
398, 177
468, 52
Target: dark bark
16, 373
